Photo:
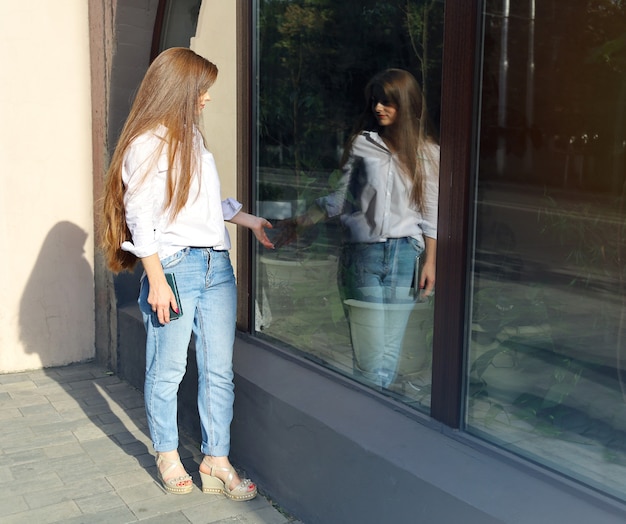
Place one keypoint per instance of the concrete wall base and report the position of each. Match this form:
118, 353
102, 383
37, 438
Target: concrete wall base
331, 453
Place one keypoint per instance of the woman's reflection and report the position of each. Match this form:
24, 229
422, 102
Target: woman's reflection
387, 205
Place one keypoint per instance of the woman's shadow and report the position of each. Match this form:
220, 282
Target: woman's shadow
56, 319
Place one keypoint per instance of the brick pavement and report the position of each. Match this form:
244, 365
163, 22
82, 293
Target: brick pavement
74, 449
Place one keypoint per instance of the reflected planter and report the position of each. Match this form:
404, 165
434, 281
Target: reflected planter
283, 273
293, 281
401, 331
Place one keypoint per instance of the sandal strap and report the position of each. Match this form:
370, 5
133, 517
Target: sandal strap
171, 464
231, 474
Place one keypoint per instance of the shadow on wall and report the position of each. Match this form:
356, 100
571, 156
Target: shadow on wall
56, 316
105, 415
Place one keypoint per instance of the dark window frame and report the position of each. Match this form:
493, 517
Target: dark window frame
245, 134
457, 138
459, 104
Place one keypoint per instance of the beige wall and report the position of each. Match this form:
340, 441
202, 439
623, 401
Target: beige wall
46, 222
216, 40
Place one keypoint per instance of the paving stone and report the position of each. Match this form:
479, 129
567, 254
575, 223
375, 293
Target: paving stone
41, 379
43, 410
87, 473
21, 457
15, 387
167, 502
130, 437
167, 518
87, 386
5, 474
146, 460
52, 389
57, 465
140, 492
113, 428
69, 449
131, 402
100, 502
42, 483
74, 448
55, 513
11, 437
63, 401
51, 427
264, 516
135, 448
27, 398
9, 379
76, 491
39, 441
88, 432
11, 505
10, 413
218, 508
4, 398
107, 418
94, 409
106, 452
122, 387
132, 478
112, 516
73, 415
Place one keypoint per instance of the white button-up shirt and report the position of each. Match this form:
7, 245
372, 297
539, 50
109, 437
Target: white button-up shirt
374, 197
200, 222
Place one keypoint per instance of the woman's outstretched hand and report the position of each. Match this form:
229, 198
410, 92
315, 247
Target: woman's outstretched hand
256, 224
259, 231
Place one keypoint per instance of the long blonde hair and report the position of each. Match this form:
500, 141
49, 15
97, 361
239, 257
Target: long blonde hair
410, 133
168, 96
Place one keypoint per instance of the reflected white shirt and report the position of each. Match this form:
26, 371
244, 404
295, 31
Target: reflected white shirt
373, 198
200, 222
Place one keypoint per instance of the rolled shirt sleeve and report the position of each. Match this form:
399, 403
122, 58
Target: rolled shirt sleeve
230, 207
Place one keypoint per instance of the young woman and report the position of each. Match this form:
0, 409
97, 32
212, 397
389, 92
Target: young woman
163, 206
387, 204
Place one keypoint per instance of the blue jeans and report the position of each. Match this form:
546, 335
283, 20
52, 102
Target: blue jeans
383, 273
208, 297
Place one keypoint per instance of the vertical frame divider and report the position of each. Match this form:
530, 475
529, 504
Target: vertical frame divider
457, 138
245, 135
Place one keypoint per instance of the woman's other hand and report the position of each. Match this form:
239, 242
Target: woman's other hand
160, 295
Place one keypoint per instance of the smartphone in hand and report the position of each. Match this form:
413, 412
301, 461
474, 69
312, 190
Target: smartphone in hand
171, 280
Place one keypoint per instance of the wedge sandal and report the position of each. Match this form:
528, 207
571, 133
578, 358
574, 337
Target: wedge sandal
245, 490
178, 485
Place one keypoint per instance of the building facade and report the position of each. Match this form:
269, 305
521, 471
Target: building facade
508, 402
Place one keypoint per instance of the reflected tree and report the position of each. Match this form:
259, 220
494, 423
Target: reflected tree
317, 56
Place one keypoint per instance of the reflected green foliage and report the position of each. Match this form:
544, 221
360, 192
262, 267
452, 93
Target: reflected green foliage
317, 56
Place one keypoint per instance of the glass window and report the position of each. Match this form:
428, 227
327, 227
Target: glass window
547, 340
337, 208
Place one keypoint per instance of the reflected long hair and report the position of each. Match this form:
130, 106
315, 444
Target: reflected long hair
169, 95
409, 135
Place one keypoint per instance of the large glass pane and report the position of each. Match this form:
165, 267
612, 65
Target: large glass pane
548, 310
314, 59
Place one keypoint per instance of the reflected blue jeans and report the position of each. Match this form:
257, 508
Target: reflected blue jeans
381, 272
208, 297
